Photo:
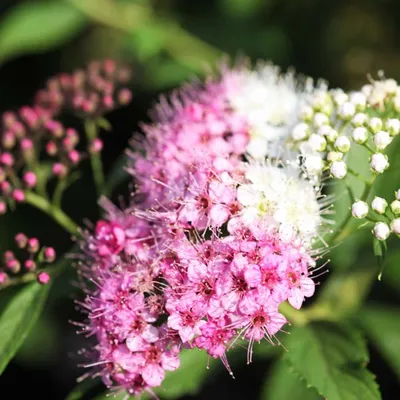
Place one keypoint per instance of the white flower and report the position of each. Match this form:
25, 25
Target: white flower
375, 124
393, 126
313, 165
359, 100
395, 206
379, 205
339, 97
381, 231
342, 144
306, 113
359, 209
347, 110
278, 195
317, 142
301, 131
359, 119
338, 169
379, 163
382, 139
360, 135
395, 226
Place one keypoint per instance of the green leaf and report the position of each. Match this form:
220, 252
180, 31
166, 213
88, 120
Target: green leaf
242, 8
83, 388
38, 26
149, 40
18, 318
284, 384
332, 359
117, 174
382, 325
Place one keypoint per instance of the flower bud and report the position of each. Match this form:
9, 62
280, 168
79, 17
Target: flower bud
395, 207
395, 226
320, 119
347, 110
379, 163
18, 195
51, 148
3, 277
313, 164
375, 124
306, 113
342, 144
43, 278
360, 119
13, 266
300, 131
3, 207
359, 209
74, 157
333, 156
360, 135
30, 179
5, 188
30, 265
49, 254
340, 97
96, 145
379, 205
21, 240
33, 245
317, 142
60, 170
382, 139
332, 135
7, 159
381, 231
393, 126
338, 169
359, 100
8, 140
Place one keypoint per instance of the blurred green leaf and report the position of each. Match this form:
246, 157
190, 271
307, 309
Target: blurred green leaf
391, 277
283, 384
18, 318
149, 40
83, 388
382, 325
241, 8
332, 359
38, 26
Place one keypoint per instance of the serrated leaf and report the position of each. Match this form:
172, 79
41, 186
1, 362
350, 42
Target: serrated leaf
283, 384
332, 359
18, 318
32, 27
382, 325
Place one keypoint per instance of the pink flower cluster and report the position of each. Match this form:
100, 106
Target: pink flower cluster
33, 258
181, 268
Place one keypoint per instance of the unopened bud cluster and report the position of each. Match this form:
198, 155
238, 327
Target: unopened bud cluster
31, 257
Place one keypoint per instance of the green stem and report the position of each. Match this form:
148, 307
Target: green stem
95, 158
58, 192
53, 211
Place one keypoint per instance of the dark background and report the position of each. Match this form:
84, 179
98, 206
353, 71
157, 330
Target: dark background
341, 40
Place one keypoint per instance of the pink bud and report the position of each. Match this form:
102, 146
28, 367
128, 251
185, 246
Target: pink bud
43, 278
59, 170
55, 128
5, 188
109, 67
108, 101
7, 159
124, 74
49, 254
96, 145
30, 265
3, 278
77, 101
72, 135
3, 207
88, 106
30, 179
18, 195
19, 129
21, 240
14, 266
33, 245
124, 96
26, 144
30, 116
8, 140
8, 256
9, 119
65, 80
51, 148
74, 156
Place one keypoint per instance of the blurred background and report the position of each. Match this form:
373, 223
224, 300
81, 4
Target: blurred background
167, 42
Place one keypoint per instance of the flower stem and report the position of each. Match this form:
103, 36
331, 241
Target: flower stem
95, 158
53, 211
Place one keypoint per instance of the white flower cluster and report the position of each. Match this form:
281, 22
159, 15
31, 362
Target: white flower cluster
390, 215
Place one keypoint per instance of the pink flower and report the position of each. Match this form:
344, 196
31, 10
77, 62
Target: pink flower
110, 238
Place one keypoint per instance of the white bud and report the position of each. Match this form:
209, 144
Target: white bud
397, 194
382, 139
395, 226
390, 86
396, 103
359, 100
306, 113
367, 89
317, 142
375, 124
379, 205
340, 97
320, 97
342, 144
300, 131
359, 119
347, 110
313, 165
332, 135
360, 135
359, 209
320, 119
381, 231
393, 126
324, 130
379, 163
395, 206
338, 169
333, 156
